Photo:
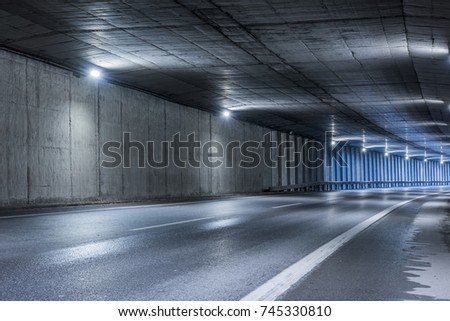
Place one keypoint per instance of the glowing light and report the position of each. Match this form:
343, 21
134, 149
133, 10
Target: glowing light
430, 123
434, 101
435, 50
364, 149
345, 138
95, 73
247, 107
416, 101
226, 114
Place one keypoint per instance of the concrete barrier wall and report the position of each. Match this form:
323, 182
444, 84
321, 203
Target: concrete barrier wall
53, 126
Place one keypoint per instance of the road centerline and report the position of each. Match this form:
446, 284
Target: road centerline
286, 205
172, 223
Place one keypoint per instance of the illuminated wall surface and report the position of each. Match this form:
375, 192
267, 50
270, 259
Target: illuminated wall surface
53, 126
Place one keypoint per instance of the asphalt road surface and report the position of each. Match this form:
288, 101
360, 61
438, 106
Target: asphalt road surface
345, 245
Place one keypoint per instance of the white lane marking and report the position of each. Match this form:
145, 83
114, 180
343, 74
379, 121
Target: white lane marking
81, 211
42, 214
117, 208
105, 209
287, 205
77, 211
279, 284
171, 224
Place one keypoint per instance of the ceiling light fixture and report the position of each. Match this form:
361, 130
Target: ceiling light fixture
226, 114
346, 138
433, 101
95, 73
364, 142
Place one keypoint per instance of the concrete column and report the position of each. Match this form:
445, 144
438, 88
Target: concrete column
297, 169
346, 170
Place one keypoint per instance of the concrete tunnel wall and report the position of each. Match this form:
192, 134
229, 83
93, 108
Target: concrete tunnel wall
54, 124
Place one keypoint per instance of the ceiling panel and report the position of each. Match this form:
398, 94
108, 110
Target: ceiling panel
378, 67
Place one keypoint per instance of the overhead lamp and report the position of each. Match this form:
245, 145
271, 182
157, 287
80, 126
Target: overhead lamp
425, 160
434, 101
386, 153
364, 141
226, 113
95, 73
333, 136
346, 138
407, 157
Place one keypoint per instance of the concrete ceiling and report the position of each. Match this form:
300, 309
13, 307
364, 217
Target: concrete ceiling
379, 67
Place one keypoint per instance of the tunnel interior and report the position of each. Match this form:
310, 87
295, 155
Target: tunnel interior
347, 92
224, 150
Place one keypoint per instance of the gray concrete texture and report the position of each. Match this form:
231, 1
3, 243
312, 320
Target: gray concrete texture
53, 126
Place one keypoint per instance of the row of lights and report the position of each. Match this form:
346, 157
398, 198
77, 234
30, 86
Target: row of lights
386, 152
96, 74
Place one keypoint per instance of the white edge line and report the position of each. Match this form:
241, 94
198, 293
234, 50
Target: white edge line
116, 208
171, 224
99, 209
280, 206
279, 284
